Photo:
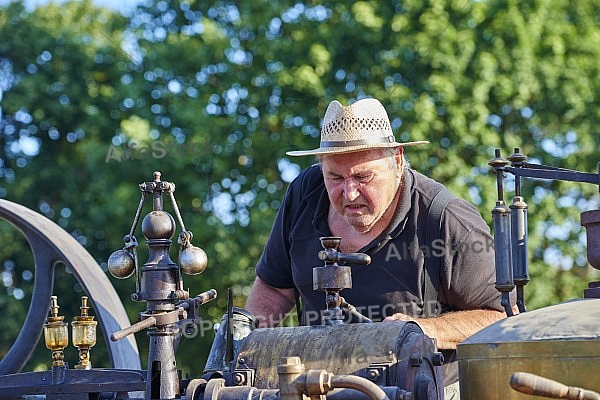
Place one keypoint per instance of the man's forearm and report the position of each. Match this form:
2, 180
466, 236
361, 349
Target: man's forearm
270, 305
452, 328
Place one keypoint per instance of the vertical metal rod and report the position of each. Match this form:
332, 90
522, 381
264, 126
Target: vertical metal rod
502, 238
157, 201
498, 163
229, 332
519, 234
519, 248
138, 272
162, 376
502, 244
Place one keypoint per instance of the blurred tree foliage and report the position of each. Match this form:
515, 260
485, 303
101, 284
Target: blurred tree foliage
212, 94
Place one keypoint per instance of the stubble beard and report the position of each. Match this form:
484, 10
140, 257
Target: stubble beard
365, 223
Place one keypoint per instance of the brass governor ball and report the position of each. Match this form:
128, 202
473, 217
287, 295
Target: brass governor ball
158, 225
121, 264
192, 260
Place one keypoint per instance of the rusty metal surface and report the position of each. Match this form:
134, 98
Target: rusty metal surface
51, 244
396, 351
559, 342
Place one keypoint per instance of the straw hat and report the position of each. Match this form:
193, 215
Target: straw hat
360, 126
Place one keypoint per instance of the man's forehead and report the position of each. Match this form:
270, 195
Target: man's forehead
355, 162
358, 156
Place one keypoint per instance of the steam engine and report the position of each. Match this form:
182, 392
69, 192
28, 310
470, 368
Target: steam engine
549, 352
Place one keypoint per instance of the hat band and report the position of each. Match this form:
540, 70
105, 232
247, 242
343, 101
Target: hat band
359, 142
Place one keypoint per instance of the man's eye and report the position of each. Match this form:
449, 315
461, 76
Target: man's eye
364, 178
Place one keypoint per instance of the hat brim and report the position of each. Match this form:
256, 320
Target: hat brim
351, 149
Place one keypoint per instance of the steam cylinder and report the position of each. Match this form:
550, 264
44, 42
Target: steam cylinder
560, 342
389, 353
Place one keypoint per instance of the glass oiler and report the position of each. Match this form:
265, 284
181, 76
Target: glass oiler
84, 334
56, 334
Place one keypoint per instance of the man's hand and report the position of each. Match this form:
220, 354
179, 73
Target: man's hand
399, 317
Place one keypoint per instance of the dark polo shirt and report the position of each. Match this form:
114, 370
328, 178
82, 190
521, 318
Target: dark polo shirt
394, 280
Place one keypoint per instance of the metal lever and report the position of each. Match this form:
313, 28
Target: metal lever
350, 258
170, 317
138, 326
539, 386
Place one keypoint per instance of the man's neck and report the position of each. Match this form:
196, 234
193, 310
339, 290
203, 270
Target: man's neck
353, 240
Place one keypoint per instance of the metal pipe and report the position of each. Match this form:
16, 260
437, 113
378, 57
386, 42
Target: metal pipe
361, 384
292, 380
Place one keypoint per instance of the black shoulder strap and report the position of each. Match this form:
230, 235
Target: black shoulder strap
433, 263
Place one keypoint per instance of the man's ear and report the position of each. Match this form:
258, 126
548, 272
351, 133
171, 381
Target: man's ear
399, 160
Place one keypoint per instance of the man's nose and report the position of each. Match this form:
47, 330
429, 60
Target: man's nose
351, 191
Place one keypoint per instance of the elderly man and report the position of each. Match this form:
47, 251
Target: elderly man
363, 191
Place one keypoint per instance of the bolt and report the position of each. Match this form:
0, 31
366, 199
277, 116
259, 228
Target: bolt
415, 360
290, 360
290, 365
438, 359
373, 374
239, 378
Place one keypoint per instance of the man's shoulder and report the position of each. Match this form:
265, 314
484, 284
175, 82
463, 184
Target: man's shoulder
462, 212
425, 186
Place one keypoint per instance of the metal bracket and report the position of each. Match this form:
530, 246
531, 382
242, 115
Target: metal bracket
377, 373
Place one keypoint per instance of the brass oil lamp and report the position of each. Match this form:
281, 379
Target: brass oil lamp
84, 334
56, 334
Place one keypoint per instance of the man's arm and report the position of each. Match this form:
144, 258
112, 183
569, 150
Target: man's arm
269, 304
451, 328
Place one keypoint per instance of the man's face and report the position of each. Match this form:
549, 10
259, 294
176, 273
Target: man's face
362, 185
